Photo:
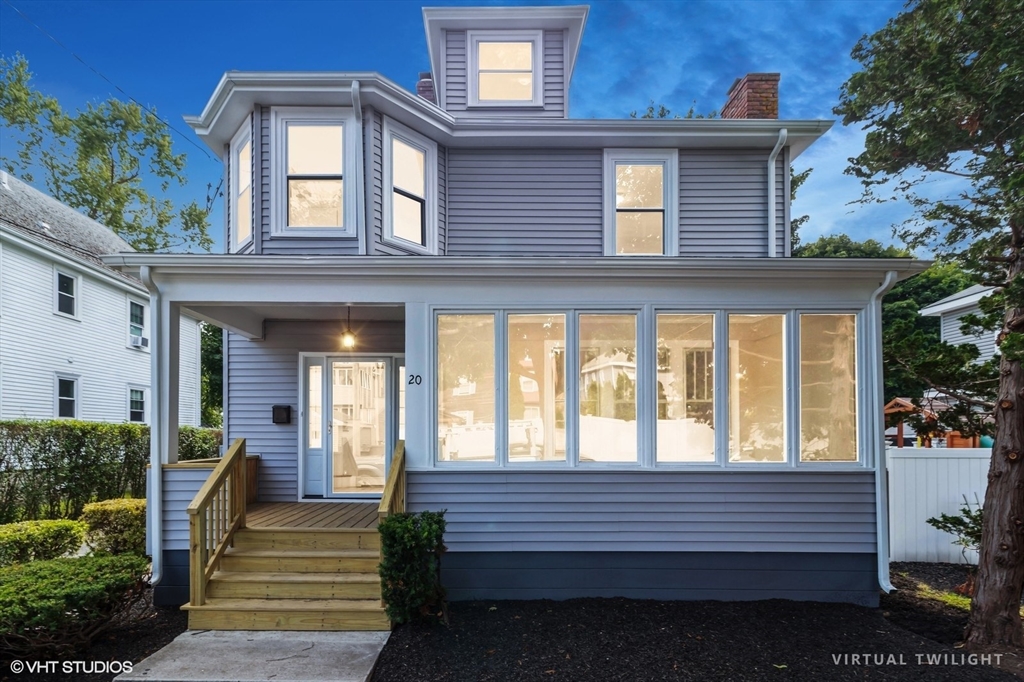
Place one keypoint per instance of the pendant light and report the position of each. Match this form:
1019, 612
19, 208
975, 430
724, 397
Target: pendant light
348, 339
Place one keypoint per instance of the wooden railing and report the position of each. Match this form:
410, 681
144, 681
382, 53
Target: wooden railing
393, 499
216, 512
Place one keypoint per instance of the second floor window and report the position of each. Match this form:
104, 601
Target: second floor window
315, 164
410, 179
137, 325
505, 68
241, 183
66, 294
641, 202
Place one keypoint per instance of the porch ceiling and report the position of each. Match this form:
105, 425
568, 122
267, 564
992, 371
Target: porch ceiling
248, 319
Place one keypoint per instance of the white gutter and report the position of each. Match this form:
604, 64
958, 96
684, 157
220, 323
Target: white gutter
155, 503
783, 134
877, 436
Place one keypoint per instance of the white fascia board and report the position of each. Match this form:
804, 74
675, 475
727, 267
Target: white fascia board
941, 308
634, 268
41, 248
238, 92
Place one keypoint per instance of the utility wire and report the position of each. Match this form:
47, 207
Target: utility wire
112, 83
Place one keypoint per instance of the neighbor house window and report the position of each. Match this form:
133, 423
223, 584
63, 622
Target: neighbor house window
137, 405
756, 389
410, 189
828, 388
607, 388
686, 388
241, 185
505, 68
536, 388
641, 202
67, 397
466, 388
315, 164
66, 294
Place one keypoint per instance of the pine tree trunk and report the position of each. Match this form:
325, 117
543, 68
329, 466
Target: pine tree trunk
995, 609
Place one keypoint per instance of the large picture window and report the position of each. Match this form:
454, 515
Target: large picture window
828, 388
607, 388
686, 388
466, 388
536, 388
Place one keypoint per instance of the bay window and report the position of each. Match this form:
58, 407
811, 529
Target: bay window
241, 186
410, 189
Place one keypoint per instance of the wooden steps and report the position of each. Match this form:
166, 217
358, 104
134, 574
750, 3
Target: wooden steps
295, 579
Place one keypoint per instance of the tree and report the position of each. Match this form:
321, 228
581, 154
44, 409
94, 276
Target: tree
941, 93
212, 379
98, 160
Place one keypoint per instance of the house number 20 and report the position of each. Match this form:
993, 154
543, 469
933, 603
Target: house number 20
415, 379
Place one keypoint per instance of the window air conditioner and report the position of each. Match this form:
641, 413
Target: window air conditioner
140, 342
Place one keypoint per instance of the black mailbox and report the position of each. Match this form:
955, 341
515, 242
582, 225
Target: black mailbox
282, 414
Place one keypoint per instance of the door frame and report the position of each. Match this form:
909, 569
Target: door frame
392, 362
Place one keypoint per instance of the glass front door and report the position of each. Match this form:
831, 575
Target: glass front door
358, 426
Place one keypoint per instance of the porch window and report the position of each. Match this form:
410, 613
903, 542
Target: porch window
410, 189
756, 389
608, 388
506, 68
241, 186
641, 202
466, 387
828, 388
536, 388
315, 164
686, 388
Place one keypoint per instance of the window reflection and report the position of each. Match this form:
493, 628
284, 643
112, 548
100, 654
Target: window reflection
465, 387
536, 387
607, 385
828, 388
686, 388
756, 395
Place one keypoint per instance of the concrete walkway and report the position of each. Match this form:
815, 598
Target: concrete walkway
243, 656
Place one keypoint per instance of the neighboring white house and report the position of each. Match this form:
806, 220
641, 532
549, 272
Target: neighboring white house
951, 311
74, 333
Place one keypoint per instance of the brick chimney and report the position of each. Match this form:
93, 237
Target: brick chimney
425, 87
756, 95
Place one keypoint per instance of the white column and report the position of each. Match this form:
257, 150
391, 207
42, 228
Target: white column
164, 382
419, 349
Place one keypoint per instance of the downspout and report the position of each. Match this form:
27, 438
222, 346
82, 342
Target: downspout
881, 472
155, 503
783, 134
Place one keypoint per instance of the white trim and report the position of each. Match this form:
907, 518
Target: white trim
669, 160
243, 136
76, 296
392, 130
129, 387
67, 376
280, 118
129, 299
536, 40
956, 304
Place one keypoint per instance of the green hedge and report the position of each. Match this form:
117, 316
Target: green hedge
39, 540
410, 569
116, 526
52, 469
50, 609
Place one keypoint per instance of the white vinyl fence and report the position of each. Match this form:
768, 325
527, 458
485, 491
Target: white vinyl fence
927, 482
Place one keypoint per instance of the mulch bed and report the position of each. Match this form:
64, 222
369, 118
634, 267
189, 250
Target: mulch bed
147, 631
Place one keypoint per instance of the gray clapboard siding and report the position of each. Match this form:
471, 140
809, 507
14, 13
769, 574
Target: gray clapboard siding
985, 342
263, 210
180, 488
261, 374
663, 511
723, 204
508, 202
456, 76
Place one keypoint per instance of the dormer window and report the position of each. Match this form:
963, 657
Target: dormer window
241, 186
505, 68
314, 161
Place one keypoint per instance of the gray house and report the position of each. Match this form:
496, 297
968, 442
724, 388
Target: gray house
951, 311
584, 339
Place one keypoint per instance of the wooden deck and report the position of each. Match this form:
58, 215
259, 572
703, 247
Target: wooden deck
312, 515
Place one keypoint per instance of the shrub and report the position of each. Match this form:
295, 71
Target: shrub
410, 567
52, 469
39, 540
52, 608
116, 526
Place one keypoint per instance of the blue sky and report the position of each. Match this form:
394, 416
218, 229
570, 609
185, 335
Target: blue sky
170, 55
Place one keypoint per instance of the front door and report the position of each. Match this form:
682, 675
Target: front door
350, 422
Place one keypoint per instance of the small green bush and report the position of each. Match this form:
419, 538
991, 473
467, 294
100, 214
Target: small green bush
966, 526
53, 608
39, 540
410, 567
116, 526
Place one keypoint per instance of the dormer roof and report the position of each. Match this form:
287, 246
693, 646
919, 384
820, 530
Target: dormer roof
437, 20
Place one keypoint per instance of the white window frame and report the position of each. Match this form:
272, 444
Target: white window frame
128, 403
392, 130
65, 376
145, 322
669, 160
57, 273
280, 119
474, 38
243, 135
